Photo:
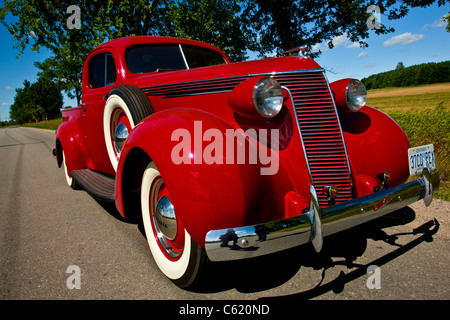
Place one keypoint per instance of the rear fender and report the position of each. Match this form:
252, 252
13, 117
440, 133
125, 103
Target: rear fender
205, 196
67, 139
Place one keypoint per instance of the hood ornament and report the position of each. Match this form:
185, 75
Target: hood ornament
298, 51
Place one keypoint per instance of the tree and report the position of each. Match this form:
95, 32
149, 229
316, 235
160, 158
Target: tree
19, 109
213, 21
400, 66
65, 74
38, 101
279, 25
47, 24
446, 19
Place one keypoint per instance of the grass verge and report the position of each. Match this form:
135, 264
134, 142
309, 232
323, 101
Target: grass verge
424, 115
49, 124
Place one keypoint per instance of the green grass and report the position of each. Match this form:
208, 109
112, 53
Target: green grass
49, 124
413, 102
425, 117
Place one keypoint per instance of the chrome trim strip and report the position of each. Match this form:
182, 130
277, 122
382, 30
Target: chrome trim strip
287, 72
196, 94
235, 77
270, 237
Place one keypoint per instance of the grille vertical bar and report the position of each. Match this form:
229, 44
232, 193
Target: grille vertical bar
321, 133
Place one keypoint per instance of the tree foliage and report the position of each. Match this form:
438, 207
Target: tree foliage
400, 65
43, 24
39, 101
212, 21
279, 25
426, 73
446, 20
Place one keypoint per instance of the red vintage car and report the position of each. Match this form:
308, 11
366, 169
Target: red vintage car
228, 161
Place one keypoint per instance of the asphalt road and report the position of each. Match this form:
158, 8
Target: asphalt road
46, 227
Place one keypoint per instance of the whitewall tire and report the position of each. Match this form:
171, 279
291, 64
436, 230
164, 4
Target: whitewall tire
70, 182
125, 107
177, 255
115, 111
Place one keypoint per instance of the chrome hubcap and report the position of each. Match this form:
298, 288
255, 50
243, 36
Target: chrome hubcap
165, 218
165, 221
120, 135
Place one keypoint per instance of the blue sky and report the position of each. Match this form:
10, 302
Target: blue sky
419, 38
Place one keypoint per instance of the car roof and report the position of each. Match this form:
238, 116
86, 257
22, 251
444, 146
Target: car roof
125, 42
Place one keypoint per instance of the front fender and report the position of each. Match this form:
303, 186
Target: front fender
205, 195
375, 144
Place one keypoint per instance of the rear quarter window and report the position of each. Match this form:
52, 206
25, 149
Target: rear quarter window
102, 71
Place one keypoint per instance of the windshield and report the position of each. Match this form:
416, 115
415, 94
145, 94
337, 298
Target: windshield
159, 58
199, 57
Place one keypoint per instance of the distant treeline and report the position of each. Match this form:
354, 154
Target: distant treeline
426, 73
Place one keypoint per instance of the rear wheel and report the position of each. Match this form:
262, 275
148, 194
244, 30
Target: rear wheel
178, 256
125, 108
70, 181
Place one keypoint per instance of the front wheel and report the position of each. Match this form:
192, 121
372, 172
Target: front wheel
177, 255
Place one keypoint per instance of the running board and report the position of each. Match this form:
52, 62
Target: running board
98, 185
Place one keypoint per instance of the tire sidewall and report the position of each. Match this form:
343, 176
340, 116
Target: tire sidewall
174, 270
114, 101
69, 179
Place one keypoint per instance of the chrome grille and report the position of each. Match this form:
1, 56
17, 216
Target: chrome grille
321, 133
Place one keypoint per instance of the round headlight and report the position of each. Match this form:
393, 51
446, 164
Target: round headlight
268, 97
356, 95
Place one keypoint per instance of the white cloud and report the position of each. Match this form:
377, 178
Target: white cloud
339, 41
354, 45
370, 65
8, 88
362, 54
6, 104
404, 39
436, 24
316, 47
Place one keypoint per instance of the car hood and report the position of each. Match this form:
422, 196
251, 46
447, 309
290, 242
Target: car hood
265, 66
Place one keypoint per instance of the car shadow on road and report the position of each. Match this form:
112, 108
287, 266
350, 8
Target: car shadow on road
341, 249
110, 207
263, 273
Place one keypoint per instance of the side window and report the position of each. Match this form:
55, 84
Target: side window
102, 70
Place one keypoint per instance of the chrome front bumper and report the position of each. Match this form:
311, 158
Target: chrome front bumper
257, 240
